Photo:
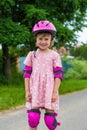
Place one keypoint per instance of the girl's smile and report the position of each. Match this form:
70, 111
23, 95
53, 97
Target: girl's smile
43, 41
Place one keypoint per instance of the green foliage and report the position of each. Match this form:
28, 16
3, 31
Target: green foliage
33, 14
78, 71
64, 34
80, 52
12, 33
16, 79
6, 9
72, 11
9, 2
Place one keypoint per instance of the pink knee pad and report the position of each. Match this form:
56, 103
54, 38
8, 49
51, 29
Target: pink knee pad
33, 117
51, 121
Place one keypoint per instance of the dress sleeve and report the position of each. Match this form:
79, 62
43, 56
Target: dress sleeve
57, 60
28, 66
28, 59
57, 67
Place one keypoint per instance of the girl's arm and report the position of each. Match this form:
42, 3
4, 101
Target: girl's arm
58, 76
27, 90
27, 74
57, 82
27, 86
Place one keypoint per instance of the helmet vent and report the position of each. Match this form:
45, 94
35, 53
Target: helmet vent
42, 22
37, 24
47, 24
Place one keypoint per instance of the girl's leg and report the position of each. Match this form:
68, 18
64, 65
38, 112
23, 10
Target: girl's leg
33, 118
32, 128
56, 128
51, 112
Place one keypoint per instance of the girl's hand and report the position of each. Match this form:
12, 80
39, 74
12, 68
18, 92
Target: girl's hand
28, 97
54, 97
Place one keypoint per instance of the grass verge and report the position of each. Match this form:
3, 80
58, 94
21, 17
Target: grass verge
13, 96
68, 86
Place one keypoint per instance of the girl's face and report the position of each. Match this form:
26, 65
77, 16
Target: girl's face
43, 40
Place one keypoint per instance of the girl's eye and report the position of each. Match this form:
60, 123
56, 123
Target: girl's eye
40, 38
46, 39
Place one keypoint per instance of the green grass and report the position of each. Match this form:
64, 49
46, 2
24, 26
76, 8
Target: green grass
68, 86
13, 96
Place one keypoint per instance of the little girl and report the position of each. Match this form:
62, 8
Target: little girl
42, 75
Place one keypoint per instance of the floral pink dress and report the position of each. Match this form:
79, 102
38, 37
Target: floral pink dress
42, 78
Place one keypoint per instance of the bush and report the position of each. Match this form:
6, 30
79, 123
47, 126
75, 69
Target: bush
78, 71
16, 79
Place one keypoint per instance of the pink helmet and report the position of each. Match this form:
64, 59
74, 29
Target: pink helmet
44, 26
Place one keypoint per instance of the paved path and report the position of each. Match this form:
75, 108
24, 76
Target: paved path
72, 114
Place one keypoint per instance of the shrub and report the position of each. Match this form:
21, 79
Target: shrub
78, 71
16, 79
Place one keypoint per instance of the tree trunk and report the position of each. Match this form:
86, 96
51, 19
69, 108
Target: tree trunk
6, 61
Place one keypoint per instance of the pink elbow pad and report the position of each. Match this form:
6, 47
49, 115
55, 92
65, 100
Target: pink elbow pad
27, 71
58, 72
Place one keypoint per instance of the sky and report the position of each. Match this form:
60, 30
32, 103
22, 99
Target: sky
82, 36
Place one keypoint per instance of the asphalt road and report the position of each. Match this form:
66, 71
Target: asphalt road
72, 114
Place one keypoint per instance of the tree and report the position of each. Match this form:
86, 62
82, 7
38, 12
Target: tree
14, 28
11, 34
67, 15
18, 17
80, 52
